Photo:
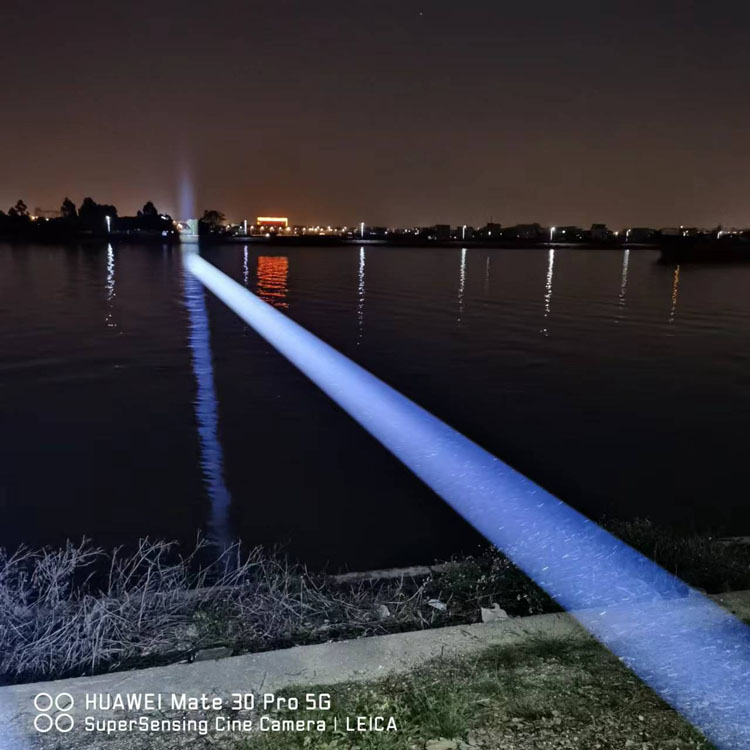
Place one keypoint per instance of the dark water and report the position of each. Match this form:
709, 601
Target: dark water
135, 404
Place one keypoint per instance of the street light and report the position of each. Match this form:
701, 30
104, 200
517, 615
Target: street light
109, 224
552, 233
463, 232
362, 229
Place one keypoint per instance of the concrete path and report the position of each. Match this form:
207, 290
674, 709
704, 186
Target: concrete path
324, 664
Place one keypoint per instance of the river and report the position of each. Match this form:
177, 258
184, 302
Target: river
134, 403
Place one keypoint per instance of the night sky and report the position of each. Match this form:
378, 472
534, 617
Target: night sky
630, 113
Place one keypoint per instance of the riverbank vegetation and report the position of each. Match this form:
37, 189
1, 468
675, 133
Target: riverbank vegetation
83, 610
547, 693
87, 220
544, 694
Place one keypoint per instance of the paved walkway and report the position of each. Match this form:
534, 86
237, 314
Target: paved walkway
324, 664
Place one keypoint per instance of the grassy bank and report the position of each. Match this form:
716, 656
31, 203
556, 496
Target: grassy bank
548, 694
81, 610
545, 695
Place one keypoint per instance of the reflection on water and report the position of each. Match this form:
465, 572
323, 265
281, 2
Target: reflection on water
624, 277
487, 276
245, 266
361, 299
461, 284
675, 293
207, 413
548, 287
272, 280
110, 287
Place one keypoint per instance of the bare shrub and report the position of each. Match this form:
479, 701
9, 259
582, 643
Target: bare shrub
81, 610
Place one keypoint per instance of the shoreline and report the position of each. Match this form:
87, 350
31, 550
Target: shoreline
717, 252
161, 606
373, 668
327, 241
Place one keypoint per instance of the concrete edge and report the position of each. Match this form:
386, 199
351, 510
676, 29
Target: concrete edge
364, 659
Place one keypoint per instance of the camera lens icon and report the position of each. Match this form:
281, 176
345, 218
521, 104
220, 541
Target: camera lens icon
53, 713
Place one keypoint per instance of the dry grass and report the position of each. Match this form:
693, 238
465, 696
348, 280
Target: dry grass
81, 610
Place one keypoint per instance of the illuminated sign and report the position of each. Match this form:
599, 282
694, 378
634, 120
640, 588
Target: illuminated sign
272, 221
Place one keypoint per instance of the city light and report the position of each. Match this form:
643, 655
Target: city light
109, 224
694, 654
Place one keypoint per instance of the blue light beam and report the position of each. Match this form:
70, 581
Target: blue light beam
694, 654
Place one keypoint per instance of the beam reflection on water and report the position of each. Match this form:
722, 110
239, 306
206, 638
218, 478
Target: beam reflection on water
245, 266
207, 413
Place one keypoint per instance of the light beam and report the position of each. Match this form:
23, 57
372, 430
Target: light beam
694, 654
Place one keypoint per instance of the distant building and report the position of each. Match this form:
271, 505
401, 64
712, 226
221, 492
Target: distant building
187, 231
526, 231
639, 234
442, 231
490, 230
600, 233
568, 234
271, 224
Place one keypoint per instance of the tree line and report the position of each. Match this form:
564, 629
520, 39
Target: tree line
97, 219
90, 218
